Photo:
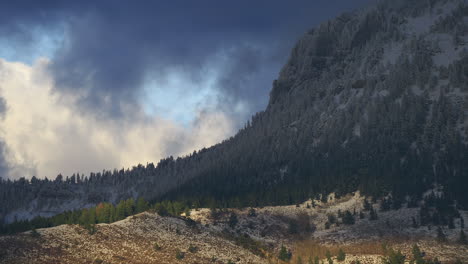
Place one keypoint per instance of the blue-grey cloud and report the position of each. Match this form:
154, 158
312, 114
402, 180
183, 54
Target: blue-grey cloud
109, 49
110, 46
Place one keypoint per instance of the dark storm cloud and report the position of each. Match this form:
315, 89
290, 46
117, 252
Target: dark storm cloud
111, 46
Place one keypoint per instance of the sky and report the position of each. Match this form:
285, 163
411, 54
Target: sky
93, 85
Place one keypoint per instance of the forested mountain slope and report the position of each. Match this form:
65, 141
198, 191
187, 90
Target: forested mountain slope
375, 100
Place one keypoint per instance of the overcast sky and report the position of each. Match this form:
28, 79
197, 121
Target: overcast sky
92, 85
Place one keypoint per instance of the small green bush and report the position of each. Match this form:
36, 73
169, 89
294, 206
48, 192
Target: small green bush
341, 255
34, 233
394, 257
180, 255
329, 257
284, 254
157, 247
193, 249
252, 213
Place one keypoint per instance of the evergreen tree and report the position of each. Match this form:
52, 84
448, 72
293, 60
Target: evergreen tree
284, 254
329, 257
348, 218
361, 215
441, 235
451, 224
373, 215
462, 238
129, 206
142, 205
366, 205
120, 211
394, 257
341, 255
299, 260
232, 220
417, 255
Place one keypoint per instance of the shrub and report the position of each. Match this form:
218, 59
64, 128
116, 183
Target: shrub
348, 218
366, 205
462, 238
331, 218
91, 229
361, 215
193, 249
316, 260
180, 255
373, 215
440, 235
190, 222
284, 254
299, 260
417, 255
157, 247
394, 257
232, 220
293, 226
34, 233
252, 213
329, 257
341, 255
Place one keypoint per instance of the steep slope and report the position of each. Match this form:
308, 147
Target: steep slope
256, 237
375, 100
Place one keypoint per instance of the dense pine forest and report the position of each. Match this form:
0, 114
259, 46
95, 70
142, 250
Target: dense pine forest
345, 114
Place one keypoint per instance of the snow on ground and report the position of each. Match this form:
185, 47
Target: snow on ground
132, 240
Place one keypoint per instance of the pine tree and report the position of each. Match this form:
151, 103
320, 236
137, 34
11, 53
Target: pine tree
366, 205
299, 260
361, 215
462, 238
440, 235
142, 205
329, 257
451, 224
341, 255
284, 254
232, 220
129, 207
394, 257
120, 211
348, 218
373, 215
417, 255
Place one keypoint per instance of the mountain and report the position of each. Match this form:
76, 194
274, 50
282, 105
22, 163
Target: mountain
375, 100
306, 231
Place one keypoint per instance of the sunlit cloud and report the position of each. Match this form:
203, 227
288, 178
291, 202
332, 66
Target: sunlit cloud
45, 135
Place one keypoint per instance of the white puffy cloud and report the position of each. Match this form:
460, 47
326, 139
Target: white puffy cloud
45, 135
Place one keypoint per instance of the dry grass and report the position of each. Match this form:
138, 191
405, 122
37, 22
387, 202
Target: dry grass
312, 248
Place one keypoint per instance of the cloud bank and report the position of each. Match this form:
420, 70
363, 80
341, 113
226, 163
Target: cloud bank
46, 136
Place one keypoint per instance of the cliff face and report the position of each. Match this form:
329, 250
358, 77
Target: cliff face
375, 100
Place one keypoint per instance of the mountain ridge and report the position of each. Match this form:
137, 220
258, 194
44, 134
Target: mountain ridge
374, 100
